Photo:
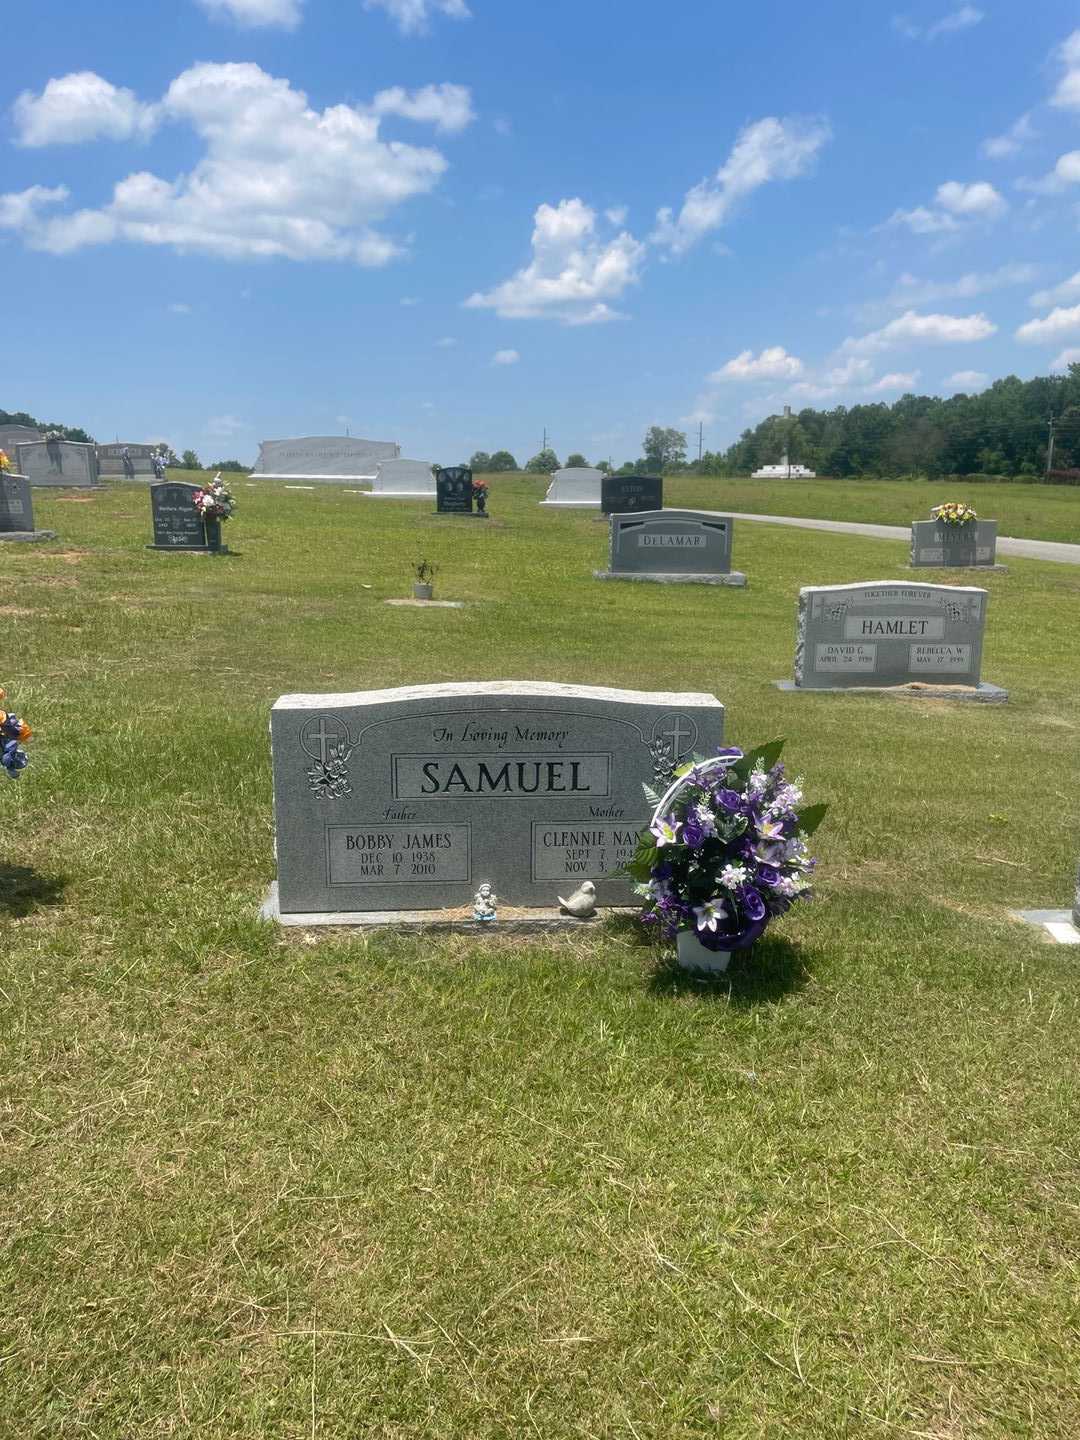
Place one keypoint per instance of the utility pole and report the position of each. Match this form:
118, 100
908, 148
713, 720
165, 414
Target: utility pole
700, 433
1050, 449
543, 447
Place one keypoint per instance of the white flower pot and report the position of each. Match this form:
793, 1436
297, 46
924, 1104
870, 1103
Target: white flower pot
692, 955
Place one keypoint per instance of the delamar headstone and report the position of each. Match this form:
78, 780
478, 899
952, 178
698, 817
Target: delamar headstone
140, 458
575, 489
453, 490
889, 634
933, 543
622, 494
332, 459
17, 509
177, 523
409, 799
58, 462
672, 546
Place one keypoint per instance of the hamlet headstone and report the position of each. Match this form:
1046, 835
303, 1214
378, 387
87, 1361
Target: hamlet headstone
177, 523
454, 490
933, 543
622, 494
670, 546
58, 462
409, 799
892, 633
576, 488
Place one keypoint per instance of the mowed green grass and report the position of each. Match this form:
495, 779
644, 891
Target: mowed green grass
1033, 512
265, 1185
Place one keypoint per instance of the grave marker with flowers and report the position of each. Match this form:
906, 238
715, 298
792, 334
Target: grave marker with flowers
188, 517
954, 538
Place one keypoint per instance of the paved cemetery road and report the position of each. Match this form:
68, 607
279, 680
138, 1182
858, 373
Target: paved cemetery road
1031, 549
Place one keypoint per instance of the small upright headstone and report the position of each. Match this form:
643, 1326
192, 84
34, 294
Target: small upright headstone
943, 547
403, 480
58, 462
891, 634
17, 509
670, 546
623, 494
177, 523
454, 490
575, 489
410, 799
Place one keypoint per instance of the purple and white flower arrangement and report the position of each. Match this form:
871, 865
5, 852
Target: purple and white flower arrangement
726, 850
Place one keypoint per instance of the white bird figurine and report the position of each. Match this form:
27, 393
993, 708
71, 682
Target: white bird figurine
582, 902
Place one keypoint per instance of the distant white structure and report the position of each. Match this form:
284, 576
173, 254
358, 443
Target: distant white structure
575, 489
784, 471
403, 480
329, 459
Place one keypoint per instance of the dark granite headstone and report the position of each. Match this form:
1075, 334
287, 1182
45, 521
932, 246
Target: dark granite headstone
453, 490
16, 503
623, 494
411, 798
177, 524
935, 544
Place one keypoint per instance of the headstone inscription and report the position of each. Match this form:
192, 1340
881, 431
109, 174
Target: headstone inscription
621, 494
671, 546
58, 462
454, 490
177, 523
933, 543
403, 480
892, 633
409, 799
139, 458
576, 488
332, 459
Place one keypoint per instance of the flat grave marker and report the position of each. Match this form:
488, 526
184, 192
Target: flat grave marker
408, 799
671, 547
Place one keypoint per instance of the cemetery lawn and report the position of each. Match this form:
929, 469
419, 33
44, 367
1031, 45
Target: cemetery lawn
1030, 512
322, 1184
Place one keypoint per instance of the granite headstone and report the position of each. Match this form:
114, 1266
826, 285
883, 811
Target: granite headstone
177, 523
622, 494
111, 460
576, 488
454, 490
16, 503
403, 480
409, 799
672, 545
58, 462
14, 435
332, 459
889, 633
933, 543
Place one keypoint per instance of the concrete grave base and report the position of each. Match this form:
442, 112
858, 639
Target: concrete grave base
960, 569
735, 578
429, 604
1057, 924
513, 919
28, 536
573, 505
192, 550
985, 692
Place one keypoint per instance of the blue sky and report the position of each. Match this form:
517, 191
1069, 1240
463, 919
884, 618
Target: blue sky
455, 222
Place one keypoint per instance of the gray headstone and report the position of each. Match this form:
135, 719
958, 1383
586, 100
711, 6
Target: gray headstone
403, 480
177, 524
409, 799
16, 503
671, 542
336, 459
575, 488
889, 632
58, 462
942, 546
111, 459
622, 494
453, 490
13, 435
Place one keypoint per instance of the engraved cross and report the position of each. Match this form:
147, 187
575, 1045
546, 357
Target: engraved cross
675, 733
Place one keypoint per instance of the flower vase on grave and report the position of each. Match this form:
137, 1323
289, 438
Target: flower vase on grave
212, 530
693, 955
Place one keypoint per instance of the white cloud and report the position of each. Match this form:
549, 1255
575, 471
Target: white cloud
276, 178
1061, 321
179, 307
1067, 94
769, 149
1000, 147
922, 221
1067, 290
80, 107
909, 290
22, 211
447, 107
617, 215
251, 14
573, 273
412, 17
505, 357
977, 199
447, 342
1065, 173
967, 380
773, 363
409, 300
896, 380
225, 427
965, 18
1061, 362
912, 328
